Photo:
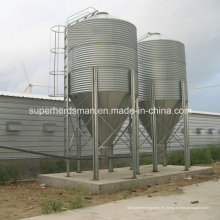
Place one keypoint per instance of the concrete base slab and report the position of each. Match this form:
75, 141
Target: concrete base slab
120, 179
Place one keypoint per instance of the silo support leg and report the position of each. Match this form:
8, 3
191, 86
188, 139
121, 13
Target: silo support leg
154, 143
188, 149
165, 155
154, 128
68, 168
130, 138
131, 160
66, 102
134, 128
137, 136
110, 160
67, 149
78, 144
95, 128
186, 127
66, 153
66, 142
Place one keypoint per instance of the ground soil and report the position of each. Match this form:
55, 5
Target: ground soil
22, 200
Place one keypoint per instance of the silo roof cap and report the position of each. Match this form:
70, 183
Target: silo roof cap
155, 37
100, 15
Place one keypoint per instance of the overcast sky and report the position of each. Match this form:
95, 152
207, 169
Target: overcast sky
25, 35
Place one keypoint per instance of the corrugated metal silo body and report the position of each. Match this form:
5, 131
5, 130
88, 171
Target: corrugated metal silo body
164, 62
110, 45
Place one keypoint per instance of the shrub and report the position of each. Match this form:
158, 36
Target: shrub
201, 156
215, 152
9, 172
197, 156
176, 158
52, 166
145, 160
3, 176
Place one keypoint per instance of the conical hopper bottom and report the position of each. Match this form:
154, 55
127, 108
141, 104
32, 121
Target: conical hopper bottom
165, 122
108, 101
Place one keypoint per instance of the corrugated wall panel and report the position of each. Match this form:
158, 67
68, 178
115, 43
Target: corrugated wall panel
33, 137
32, 134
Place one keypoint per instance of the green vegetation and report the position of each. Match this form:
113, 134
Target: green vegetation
126, 193
176, 158
130, 187
66, 189
77, 202
50, 206
69, 199
215, 152
9, 172
145, 160
205, 155
201, 156
52, 166
122, 162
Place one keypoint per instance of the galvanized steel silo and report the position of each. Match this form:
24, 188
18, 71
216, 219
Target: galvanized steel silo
109, 44
162, 62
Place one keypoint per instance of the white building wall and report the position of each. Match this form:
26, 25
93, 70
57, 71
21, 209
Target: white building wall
32, 134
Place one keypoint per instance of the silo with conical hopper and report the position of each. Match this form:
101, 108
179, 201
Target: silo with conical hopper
161, 74
106, 46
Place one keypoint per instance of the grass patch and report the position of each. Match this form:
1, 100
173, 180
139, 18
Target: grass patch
126, 194
52, 206
68, 200
66, 189
77, 202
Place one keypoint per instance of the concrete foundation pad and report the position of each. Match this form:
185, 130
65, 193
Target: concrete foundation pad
120, 179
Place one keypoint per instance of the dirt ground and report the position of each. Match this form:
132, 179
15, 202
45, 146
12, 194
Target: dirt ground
22, 200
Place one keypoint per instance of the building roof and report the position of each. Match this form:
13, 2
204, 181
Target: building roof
205, 113
31, 96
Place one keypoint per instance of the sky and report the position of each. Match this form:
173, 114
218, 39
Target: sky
25, 36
